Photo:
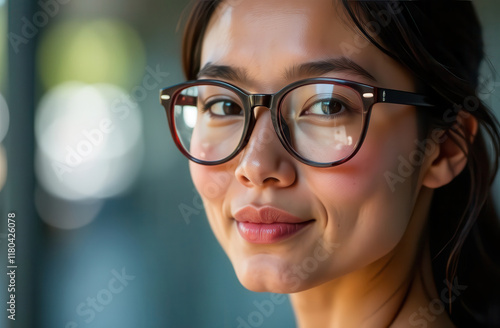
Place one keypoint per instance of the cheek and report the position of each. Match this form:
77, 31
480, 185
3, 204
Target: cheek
365, 212
385, 154
213, 183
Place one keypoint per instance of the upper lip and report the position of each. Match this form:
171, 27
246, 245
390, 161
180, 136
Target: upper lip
266, 214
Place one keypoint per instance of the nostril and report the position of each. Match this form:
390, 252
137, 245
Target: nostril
242, 177
271, 180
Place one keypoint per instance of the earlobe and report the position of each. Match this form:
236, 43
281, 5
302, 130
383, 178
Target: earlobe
450, 158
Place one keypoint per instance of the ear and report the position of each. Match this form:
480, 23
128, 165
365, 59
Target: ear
450, 156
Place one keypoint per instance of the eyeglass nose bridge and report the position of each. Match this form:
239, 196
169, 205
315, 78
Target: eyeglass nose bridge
258, 100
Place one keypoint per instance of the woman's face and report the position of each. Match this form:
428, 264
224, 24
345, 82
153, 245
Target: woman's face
287, 226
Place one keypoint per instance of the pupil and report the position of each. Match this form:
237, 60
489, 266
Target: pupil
331, 107
230, 108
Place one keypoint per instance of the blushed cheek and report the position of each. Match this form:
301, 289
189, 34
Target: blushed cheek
355, 181
390, 139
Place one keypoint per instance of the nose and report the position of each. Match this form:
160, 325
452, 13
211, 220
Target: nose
265, 162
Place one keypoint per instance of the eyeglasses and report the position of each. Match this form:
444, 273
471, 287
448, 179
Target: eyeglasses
321, 122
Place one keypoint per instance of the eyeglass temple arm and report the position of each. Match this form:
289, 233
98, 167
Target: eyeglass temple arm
403, 97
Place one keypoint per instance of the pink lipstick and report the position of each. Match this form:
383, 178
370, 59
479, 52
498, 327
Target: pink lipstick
267, 224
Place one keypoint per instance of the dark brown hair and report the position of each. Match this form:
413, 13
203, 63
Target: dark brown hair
440, 43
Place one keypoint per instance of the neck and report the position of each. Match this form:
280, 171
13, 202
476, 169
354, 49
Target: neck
387, 293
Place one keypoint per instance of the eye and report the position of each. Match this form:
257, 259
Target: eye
223, 108
329, 106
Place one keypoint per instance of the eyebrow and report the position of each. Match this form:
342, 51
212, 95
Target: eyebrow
310, 69
322, 67
225, 72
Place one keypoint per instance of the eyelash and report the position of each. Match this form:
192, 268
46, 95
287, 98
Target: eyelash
347, 108
206, 107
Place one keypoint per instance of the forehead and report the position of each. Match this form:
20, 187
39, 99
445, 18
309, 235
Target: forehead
263, 33
265, 38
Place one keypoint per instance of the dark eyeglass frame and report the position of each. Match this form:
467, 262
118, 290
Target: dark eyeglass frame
369, 94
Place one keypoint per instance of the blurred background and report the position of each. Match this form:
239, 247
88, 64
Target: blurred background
109, 228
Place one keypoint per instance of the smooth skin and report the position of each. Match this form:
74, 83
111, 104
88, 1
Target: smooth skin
364, 261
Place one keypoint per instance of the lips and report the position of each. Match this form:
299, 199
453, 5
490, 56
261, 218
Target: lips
267, 224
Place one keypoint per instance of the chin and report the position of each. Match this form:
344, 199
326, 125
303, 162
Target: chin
269, 285
267, 273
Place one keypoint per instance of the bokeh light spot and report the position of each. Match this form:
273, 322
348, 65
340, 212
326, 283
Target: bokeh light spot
89, 141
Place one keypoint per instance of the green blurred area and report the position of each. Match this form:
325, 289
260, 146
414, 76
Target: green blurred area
91, 51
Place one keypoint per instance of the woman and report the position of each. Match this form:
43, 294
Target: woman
339, 149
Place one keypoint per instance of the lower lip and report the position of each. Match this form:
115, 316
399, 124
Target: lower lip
262, 233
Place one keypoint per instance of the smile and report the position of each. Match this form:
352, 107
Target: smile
267, 225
